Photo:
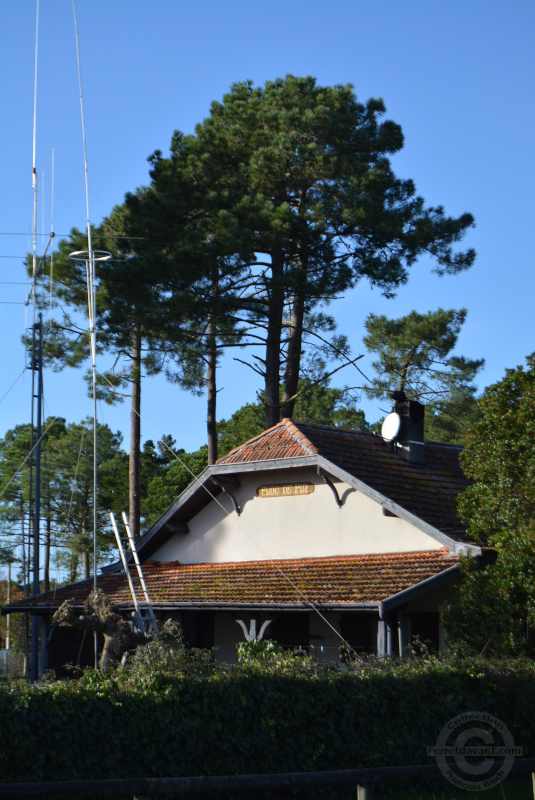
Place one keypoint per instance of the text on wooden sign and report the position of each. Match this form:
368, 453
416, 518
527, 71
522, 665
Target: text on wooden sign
285, 490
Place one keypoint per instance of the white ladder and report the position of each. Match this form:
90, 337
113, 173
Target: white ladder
143, 616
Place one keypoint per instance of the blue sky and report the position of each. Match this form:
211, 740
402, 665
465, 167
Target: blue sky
457, 76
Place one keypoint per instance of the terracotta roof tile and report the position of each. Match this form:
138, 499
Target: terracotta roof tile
338, 579
429, 492
282, 441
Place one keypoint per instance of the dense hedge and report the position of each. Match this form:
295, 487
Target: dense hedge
248, 720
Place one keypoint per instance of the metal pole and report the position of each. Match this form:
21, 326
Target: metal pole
95, 482
8, 621
89, 258
34, 671
24, 584
23, 564
30, 501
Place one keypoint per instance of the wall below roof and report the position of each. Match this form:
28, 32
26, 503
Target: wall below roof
289, 527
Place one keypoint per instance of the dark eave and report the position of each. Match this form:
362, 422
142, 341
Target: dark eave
197, 606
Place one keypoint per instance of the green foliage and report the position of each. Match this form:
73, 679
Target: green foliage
247, 719
255, 650
170, 481
7, 555
414, 357
501, 598
66, 486
500, 457
246, 423
499, 509
328, 405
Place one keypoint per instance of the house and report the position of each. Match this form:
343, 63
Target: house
306, 534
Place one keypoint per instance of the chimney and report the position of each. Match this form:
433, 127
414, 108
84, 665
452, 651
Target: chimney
411, 432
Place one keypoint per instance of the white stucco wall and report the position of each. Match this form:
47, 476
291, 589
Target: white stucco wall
306, 526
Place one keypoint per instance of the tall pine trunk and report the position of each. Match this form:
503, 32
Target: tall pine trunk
273, 342
295, 332
211, 388
73, 567
86, 572
293, 363
134, 505
48, 536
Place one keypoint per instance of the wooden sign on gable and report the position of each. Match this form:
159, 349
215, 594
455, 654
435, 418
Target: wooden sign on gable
285, 490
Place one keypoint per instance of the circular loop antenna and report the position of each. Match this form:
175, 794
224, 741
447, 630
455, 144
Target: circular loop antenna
85, 255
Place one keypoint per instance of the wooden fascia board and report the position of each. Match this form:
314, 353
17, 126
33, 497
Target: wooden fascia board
269, 464
457, 548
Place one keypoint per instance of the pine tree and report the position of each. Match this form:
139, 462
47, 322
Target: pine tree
66, 490
299, 175
15, 486
414, 355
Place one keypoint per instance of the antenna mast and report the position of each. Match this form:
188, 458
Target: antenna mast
34, 169
89, 258
33, 520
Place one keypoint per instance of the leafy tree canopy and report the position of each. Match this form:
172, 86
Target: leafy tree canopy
171, 481
66, 487
500, 458
497, 605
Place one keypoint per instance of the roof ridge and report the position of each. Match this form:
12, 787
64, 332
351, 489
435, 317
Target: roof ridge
336, 429
293, 428
373, 434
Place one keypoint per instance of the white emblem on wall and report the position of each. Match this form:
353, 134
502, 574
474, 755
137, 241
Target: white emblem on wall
251, 633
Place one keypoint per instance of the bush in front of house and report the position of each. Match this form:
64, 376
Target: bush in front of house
189, 716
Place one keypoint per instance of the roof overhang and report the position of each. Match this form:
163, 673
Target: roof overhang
197, 606
418, 589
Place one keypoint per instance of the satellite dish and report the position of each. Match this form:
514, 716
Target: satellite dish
391, 426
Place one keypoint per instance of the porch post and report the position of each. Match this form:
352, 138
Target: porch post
43, 661
389, 638
381, 637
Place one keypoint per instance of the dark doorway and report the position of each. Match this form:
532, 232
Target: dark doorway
357, 629
71, 646
424, 629
290, 630
198, 628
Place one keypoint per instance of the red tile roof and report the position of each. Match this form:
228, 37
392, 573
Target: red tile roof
323, 581
284, 440
429, 491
